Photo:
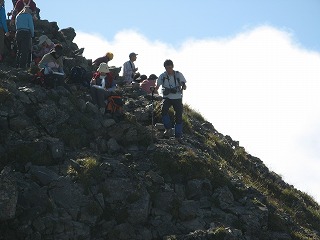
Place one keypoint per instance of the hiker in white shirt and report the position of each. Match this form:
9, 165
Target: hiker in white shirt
129, 69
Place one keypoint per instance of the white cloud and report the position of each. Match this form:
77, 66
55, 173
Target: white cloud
259, 87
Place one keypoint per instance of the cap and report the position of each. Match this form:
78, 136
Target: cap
153, 77
132, 54
142, 77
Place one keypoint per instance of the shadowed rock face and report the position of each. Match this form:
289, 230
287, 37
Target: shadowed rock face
8, 195
69, 172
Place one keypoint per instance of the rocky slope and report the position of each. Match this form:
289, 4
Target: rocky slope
69, 172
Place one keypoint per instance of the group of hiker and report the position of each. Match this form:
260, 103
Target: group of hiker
49, 58
22, 16
172, 82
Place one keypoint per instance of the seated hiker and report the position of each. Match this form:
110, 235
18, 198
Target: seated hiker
24, 34
52, 65
20, 4
140, 78
106, 58
102, 85
149, 84
44, 46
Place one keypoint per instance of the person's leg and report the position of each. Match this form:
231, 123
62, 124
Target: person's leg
101, 97
166, 104
178, 108
93, 93
25, 48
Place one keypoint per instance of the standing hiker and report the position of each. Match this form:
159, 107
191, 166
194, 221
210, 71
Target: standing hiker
173, 83
3, 28
24, 35
129, 69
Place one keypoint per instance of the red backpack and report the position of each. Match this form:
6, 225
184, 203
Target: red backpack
114, 104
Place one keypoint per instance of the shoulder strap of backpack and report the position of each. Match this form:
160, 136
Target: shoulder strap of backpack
131, 65
176, 79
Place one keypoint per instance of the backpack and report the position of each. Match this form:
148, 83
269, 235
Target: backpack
114, 104
78, 75
39, 78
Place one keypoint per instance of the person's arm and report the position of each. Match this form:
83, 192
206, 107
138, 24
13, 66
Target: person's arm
182, 81
126, 69
44, 61
31, 25
110, 79
113, 86
18, 7
33, 7
93, 81
159, 83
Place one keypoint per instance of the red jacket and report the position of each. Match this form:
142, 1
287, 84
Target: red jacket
20, 5
109, 80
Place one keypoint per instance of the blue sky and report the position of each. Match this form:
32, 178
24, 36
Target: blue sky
252, 67
174, 21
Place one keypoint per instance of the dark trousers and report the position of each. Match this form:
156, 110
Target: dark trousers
99, 95
178, 108
23, 39
54, 80
1, 41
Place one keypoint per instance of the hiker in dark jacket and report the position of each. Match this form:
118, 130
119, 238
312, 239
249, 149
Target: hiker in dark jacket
3, 28
24, 33
106, 58
102, 85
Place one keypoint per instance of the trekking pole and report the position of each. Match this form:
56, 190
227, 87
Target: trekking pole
30, 53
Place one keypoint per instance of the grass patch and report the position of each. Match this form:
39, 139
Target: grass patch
191, 113
188, 164
87, 172
4, 95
